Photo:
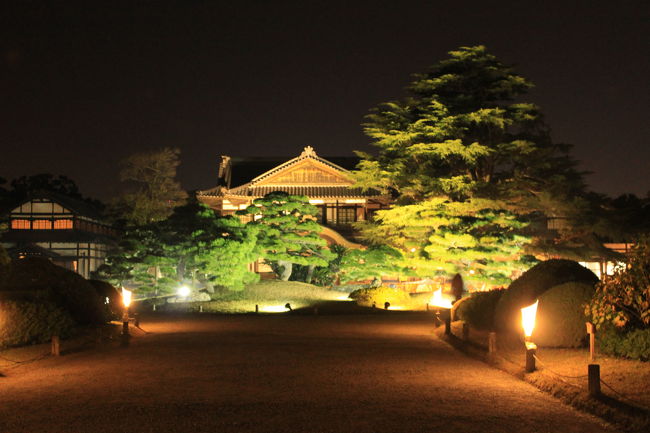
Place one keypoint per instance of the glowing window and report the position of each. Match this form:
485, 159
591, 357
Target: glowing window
62, 224
42, 224
20, 224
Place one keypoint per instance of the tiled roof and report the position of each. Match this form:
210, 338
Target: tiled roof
249, 190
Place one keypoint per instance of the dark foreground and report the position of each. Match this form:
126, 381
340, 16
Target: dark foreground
383, 373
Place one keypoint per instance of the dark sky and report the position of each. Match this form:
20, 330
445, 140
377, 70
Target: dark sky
83, 85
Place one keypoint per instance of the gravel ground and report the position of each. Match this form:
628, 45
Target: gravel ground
371, 373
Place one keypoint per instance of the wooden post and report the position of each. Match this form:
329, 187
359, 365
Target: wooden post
531, 349
153, 307
492, 343
136, 320
200, 308
593, 371
448, 323
465, 331
591, 330
437, 320
56, 346
257, 308
427, 306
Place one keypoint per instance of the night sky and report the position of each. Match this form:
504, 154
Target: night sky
83, 85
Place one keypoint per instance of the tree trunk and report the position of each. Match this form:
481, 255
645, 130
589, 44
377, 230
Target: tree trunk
310, 274
287, 268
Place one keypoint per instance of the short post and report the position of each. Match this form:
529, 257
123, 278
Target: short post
492, 343
257, 308
531, 350
427, 306
136, 320
438, 320
56, 346
593, 371
465, 331
200, 308
591, 330
153, 307
448, 322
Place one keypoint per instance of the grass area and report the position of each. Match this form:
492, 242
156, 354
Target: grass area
270, 295
563, 372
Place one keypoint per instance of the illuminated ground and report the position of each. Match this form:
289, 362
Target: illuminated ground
278, 373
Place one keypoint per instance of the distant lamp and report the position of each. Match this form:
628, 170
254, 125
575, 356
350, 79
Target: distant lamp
183, 291
126, 297
528, 315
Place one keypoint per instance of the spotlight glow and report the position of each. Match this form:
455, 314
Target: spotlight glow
126, 297
183, 291
438, 301
528, 318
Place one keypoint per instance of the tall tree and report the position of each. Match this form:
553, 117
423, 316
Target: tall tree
152, 188
473, 159
288, 232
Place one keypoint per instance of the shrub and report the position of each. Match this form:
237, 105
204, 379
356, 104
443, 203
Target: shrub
46, 281
379, 295
633, 344
24, 322
478, 309
532, 284
623, 300
560, 318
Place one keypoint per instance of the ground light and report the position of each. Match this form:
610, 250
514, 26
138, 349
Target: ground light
528, 315
183, 291
442, 304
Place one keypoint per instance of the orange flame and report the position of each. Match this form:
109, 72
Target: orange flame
528, 318
126, 297
438, 301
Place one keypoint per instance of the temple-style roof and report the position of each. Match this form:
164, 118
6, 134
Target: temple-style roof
307, 174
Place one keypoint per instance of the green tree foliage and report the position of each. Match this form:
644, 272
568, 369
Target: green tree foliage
623, 300
193, 245
473, 159
374, 262
288, 232
152, 188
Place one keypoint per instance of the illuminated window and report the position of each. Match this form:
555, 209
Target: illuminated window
20, 224
42, 224
62, 224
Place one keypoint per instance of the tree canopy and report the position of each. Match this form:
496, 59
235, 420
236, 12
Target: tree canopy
287, 232
469, 166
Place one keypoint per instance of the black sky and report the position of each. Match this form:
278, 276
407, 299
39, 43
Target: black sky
85, 84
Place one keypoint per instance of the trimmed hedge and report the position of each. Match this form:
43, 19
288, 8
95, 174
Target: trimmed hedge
633, 344
378, 295
478, 309
560, 316
24, 322
532, 284
39, 279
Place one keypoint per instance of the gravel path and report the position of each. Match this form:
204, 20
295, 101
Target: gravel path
373, 373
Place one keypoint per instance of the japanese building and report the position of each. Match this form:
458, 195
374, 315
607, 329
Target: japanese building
327, 183
67, 231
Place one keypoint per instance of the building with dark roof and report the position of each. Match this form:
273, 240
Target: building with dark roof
69, 232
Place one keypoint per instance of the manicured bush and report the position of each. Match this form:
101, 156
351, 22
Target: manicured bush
532, 284
478, 308
560, 318
47, 282
379, 295
633, 344
25, 322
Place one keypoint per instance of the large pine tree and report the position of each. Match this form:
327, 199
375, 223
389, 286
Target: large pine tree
469, 165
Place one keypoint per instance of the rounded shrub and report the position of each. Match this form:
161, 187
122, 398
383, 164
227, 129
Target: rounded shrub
38, 278
478, 309
378, 295
560, 318
532, 284
24, 322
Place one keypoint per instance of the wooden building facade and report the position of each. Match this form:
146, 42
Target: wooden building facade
67, 231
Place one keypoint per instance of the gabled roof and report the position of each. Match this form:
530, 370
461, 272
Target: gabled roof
327, 178
74, 205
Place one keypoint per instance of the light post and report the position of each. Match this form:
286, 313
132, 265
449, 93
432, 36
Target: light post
528, 315
126, 300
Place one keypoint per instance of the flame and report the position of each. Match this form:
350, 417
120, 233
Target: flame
126, 297
528, 318
438, 301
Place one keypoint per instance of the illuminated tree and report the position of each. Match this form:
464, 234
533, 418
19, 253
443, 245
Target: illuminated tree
468, 165
288, 232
